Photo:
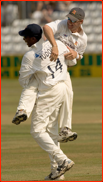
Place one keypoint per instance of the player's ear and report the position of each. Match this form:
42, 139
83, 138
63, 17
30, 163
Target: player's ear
81, 21
34, 39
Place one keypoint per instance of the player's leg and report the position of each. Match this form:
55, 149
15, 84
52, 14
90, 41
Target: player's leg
41, 111
52, 130
26, 102
66, 109
41, 136
65, 117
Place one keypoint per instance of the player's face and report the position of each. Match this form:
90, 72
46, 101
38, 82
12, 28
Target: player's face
29, 40
74, 26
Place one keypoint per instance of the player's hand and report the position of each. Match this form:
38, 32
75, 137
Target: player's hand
70, 55
54, 54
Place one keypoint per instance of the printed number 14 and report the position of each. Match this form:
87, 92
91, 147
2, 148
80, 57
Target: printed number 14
57, 67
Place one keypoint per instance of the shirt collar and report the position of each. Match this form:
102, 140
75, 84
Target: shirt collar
79, 34
38, 44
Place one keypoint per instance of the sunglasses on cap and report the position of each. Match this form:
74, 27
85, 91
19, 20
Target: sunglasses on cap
73, 21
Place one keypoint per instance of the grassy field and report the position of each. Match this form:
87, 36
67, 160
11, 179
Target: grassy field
23, 160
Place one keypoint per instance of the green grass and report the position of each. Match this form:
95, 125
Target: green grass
21, 157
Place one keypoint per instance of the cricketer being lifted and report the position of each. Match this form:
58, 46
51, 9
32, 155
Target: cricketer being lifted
71, 33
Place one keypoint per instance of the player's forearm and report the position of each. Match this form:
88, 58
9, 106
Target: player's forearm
72, 54
49, 35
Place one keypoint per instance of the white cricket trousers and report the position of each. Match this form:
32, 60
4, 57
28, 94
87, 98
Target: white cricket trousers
29, 95
43, 129
65, 116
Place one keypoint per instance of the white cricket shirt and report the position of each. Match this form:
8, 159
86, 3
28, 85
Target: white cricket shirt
47, 73
76, 41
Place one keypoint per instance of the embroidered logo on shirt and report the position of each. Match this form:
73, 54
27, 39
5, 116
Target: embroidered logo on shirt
36, 55
76, 43
74, 11
65, 35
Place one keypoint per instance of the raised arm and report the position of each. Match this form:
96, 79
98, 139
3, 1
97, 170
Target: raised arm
49, 35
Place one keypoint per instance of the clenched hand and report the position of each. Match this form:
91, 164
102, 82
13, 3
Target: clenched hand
54, 53
70, 55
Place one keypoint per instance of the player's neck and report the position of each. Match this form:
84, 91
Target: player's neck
77, 30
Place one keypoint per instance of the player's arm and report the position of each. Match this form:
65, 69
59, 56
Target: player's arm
78, 54
72, 54
26, 71
48, 32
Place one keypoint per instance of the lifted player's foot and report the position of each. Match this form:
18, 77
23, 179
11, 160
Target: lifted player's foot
66, 135
67, 164
19, 117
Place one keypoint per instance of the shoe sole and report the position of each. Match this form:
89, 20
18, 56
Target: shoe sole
70, 138
58, 178
17, 120
66, 169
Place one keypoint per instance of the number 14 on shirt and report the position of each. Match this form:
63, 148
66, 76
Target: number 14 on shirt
57, 67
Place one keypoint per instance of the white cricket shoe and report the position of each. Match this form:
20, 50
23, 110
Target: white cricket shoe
49, 177
19, 117
67, 164
66, 135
